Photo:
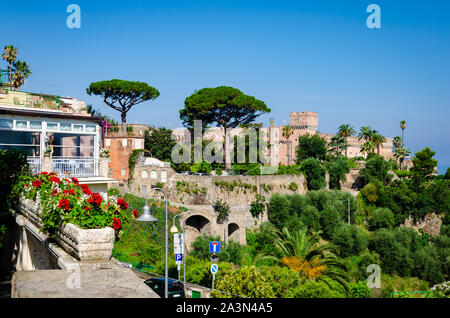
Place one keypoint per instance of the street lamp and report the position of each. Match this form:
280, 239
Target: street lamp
174, 229
147, 217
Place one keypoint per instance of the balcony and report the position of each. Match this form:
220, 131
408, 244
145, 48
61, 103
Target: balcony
74, 166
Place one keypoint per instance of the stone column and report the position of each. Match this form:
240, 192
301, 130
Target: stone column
46, 164
104, 167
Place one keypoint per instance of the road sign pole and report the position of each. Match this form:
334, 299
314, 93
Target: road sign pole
214, 277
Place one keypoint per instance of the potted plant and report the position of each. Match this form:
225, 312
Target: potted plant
82, 222
47, 152
104, 153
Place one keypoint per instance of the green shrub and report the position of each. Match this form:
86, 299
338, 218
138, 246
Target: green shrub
278, 209
350, 240
314, 173
246, 281
293, 186
427, 265
258, 206
281, 279
114, 192
337, 172
222, 209
381, 218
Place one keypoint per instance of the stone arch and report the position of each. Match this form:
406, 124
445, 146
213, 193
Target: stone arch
233, 231
198, 222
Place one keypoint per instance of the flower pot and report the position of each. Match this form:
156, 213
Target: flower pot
92, 244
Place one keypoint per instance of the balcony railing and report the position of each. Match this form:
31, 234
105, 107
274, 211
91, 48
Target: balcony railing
35, 164
31, 100
75, 166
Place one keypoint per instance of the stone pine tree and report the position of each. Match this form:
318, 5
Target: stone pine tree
225, 106
122, 95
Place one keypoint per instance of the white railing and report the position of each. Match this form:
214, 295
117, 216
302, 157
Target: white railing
35, 164
75, 166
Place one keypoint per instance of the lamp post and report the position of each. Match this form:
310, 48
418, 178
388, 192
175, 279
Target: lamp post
174, 229
147, 217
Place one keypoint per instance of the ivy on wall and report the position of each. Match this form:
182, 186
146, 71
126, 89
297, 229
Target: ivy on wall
132, 160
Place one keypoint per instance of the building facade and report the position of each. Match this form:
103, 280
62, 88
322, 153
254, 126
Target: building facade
56, 133
282, 149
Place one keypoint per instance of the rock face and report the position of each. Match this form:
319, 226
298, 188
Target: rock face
430, 225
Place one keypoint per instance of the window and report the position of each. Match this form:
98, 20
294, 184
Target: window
138, 144
77, 127
163, 176
6, 123
153, 174
70, 145
144, 174
90, 128
124, 142
35, 124
20, 140
52, 126
65, 126
21, 124
123, 172
108, 142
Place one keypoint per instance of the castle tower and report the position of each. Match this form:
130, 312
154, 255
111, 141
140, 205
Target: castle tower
304, 120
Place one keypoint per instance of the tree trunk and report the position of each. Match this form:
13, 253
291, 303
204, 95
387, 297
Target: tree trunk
10, 76
227, 149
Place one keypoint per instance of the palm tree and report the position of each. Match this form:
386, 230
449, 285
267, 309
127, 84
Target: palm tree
397, 142
346, 130
10, 56
338, 144
401, 153
368, 147
21, 73
366, 133
378, 141
403, 127
303, 254
287, 132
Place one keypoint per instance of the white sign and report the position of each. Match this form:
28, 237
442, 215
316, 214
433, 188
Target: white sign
214, 268
178, 243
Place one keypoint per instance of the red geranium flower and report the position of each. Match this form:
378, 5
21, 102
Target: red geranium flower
55, 179
43, 172
75, 181
85, 189
64, 204
117, 224
135, 213
123, 205
55, 192
95, 199
86, 208
37, 183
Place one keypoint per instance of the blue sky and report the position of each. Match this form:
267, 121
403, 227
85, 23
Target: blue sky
294, 55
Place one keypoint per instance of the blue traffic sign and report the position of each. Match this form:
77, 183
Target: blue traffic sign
214, 268
214, 247
178, 257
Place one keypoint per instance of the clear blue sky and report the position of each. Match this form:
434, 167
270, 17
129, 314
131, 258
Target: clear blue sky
294, 55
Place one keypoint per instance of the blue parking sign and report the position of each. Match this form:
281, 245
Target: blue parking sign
214, 247
178, 257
